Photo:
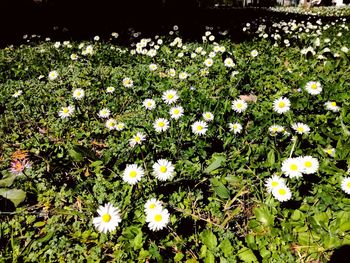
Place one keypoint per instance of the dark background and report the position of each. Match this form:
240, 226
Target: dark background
83, 19
74, 19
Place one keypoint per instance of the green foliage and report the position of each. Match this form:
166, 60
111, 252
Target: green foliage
220, 209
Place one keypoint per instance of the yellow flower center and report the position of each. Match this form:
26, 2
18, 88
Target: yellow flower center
158, 218
329, 151
274, 184
235, 126
170, 96
137, 139
106, 218
149, 104
282, 191
239, 105
333, 104
120, 126
161, 124
300, 129
314, 86
199, 128
308, 164
163, 169
348, 185
294, 167
112, 124
274, 129
152, 206
176, 111
281, 104
65, 110
78, 93
133, 174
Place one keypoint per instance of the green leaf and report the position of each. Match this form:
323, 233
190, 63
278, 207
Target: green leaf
246, 255
219, 188
178, 257
217, 161
209, 239
263, 215
271, 157
16, 196
226, 247
76, 156
8, 181
209, 257
137, 243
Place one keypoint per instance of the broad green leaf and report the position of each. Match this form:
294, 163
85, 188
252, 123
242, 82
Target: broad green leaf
263, 215
209, 239
209, 257
226, 247
216, 163
8, 181
271, 157
246, 255
16, 196
219, 188
76, 156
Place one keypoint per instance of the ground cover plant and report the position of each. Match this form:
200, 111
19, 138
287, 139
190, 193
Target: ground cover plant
174, 151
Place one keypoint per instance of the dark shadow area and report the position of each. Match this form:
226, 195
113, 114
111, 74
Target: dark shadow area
341, 255
79, 19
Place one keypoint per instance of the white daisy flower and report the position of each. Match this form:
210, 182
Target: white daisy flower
208, 62
281, 105
17, 93
313, 87
292, 167
171, 72
65, 112
199, 127
274, 182
176, 112
152, 67
120, 126
301, 128
152, 205
345, 185
132, 174
111, 124
239, 105
228, 62
157, 219
254, 53
78, 94
183, 75
282, 193
88, 50
208, 116
73, 56
163, 170
128, 83
310, 164
332, 106
110, 89
149, 104
108, 219
53, 75
330, 151
161, 125
170, 96
104, 113
235, 127
137, 139
273, 129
